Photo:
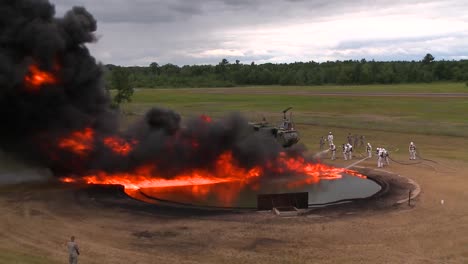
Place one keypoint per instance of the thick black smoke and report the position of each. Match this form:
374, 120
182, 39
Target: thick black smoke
33, 122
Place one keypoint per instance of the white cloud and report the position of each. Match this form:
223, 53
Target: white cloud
218, 53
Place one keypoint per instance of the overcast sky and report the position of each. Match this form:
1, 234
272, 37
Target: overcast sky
138, 32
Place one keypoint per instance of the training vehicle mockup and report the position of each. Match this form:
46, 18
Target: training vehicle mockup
285, 133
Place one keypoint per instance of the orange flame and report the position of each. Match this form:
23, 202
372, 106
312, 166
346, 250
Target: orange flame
199, 183
119, 145
79, 142
36, 78
225, 193
67, 179
225, 171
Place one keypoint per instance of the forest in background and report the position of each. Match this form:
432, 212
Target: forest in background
229, 74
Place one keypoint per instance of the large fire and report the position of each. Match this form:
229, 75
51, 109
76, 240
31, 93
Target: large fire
200, 182
82, 143
202, 153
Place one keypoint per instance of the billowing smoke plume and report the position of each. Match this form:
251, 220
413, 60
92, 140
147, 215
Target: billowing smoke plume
55, 109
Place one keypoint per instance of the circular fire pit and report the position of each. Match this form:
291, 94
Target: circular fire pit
377, 191
241, 195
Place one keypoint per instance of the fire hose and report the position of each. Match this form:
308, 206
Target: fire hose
433, 161
405, 163
420, 157
420, 161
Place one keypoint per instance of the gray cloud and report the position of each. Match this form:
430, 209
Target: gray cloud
205, 31
138, 11
239, 11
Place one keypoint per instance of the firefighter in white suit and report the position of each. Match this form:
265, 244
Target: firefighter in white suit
369, 150
333, 151
330, 139
412, 151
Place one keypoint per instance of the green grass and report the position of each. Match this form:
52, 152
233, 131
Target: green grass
429, 146
422, 115
395, 88
439, 126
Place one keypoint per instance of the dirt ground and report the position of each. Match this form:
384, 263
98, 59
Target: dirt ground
36, 222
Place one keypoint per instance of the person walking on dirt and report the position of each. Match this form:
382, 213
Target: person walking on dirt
379, 157
73, 251
369, 150
412, 151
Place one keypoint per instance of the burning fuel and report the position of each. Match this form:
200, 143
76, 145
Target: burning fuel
36, 78
119, 145
79, 142
202, 182
72, 130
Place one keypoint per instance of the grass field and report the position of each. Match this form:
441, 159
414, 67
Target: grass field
438, 125
422, 115
379, 88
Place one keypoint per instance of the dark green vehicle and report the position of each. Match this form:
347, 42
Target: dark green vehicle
285, 133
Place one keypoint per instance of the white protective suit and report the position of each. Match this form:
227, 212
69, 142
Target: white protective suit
412, 151
369, 150
345, 151
380, 157
333, 151
330, 139
350, 151
386, 158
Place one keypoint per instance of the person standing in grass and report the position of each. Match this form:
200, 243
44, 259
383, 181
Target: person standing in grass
369, 150
73, 251
362, 139
349, 138
412, 151
386, 157
330, 139
333, 151
322, 142
345, 151
349, 151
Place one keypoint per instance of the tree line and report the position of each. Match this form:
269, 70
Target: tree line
226, 74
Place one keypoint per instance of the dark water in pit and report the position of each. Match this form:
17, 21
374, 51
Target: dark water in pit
241, 195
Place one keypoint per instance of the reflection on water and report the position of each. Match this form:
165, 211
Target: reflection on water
241, 194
